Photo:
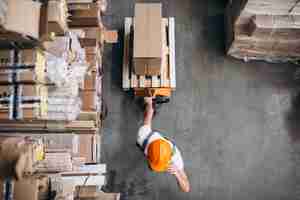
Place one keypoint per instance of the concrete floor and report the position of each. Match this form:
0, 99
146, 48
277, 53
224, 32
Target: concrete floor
236, 123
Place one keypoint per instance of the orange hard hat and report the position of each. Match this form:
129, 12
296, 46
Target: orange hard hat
159, 155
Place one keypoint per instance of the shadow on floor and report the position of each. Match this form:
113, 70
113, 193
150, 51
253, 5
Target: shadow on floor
293, 119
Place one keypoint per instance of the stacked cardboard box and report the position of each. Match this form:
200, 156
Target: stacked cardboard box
66, 184
85, 13
19, 156
56, 160
53, 21
147, 42
93, 193
20, 20
57, 16
263, 30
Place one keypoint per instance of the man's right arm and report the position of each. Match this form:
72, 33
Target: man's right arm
148, 115
181, 178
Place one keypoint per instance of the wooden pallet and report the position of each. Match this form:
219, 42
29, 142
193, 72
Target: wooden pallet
167, 79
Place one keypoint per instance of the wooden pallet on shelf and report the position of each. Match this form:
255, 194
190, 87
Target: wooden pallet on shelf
44, 126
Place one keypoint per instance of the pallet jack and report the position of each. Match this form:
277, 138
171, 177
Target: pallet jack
158, 87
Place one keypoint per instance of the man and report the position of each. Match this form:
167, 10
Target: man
161, 153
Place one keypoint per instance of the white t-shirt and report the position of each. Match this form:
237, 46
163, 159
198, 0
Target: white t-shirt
145, 130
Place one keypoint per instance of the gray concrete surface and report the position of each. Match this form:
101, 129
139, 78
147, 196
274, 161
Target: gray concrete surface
236, 123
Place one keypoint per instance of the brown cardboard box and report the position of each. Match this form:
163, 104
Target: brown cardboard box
149, 66
4, 114
91, 50
87, 147
14, 156
91, 59
92, 33
92, 36
88, 18
23, 17
91, 193
26, 189
88, 98
86, 192
57, 16
90, 81
147, 30
147, 38
110, 36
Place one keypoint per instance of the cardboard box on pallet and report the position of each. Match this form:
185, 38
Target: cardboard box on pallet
22, 17
24, 66
147, 42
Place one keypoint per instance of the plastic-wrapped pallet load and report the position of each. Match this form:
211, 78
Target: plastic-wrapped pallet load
63, 108
263, 30
66, 68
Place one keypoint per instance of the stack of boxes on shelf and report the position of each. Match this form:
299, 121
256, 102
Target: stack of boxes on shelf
23, 94
50, 98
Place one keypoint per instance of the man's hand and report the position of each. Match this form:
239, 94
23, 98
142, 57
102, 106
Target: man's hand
173, 170
148, 100
181, 177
